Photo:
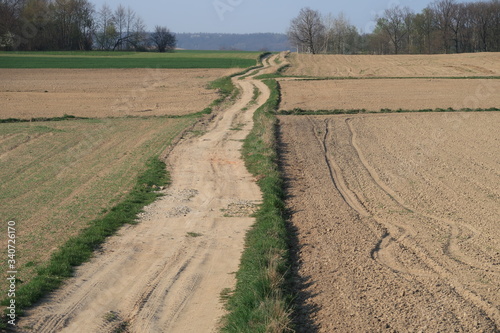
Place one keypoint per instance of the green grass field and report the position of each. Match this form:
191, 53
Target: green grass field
95, 59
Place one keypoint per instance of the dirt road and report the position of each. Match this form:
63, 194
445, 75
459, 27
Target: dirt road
166, 274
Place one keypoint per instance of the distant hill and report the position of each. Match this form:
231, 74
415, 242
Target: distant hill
244, 42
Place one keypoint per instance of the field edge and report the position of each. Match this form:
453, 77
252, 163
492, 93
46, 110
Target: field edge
261, 301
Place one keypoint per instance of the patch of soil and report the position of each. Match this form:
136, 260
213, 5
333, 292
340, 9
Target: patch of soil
438, 65
396, 221
98, 93
394, 94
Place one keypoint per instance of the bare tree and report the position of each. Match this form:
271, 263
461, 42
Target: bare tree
341, 37
130, 29
130, 21
120, 20
458, 18
307, 30
138, 35
163, 39
443, 11
425, 30
106, 33
395, 23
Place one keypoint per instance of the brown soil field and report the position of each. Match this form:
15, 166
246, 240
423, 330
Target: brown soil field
97, 93
377, 94
455, 65
396, 220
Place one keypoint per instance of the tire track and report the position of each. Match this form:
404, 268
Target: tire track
336, 177
451, 248
407, 241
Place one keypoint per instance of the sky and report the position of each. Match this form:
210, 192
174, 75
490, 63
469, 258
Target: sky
251, 16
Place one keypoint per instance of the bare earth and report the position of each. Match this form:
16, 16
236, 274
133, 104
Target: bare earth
166, 274
440, 65
97, 93
396, 220
377, 94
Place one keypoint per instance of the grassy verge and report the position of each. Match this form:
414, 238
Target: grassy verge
226, 87
261, 300
298, 111
42, 119
278, 74
80, 248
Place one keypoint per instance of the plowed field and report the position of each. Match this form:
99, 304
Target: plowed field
439, 65
397, 221
406, 94
97, 93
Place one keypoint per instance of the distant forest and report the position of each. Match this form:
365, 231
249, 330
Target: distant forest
445, 26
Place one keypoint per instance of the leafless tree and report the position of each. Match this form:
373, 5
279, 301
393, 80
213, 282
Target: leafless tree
163, 39
307, 30
443, 11
424, 30
120, 20
396, 23
130, 29
341, 37
106, 33
457, 24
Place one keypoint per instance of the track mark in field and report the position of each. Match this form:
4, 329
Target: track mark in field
399, 240
323, 136
451, 248
403, 239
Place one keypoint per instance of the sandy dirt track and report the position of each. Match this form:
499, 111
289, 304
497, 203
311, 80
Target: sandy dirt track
166, 274
97, 93
406, 94
439, 65
396, 220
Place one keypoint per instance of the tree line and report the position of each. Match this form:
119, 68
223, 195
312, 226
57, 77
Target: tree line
41, 25
444, 26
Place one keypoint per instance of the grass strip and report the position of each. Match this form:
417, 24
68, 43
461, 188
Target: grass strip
226, 87
43, 119
81, 248
261, 301
280, 74
299, 111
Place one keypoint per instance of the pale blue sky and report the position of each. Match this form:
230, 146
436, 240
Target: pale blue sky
248, 16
